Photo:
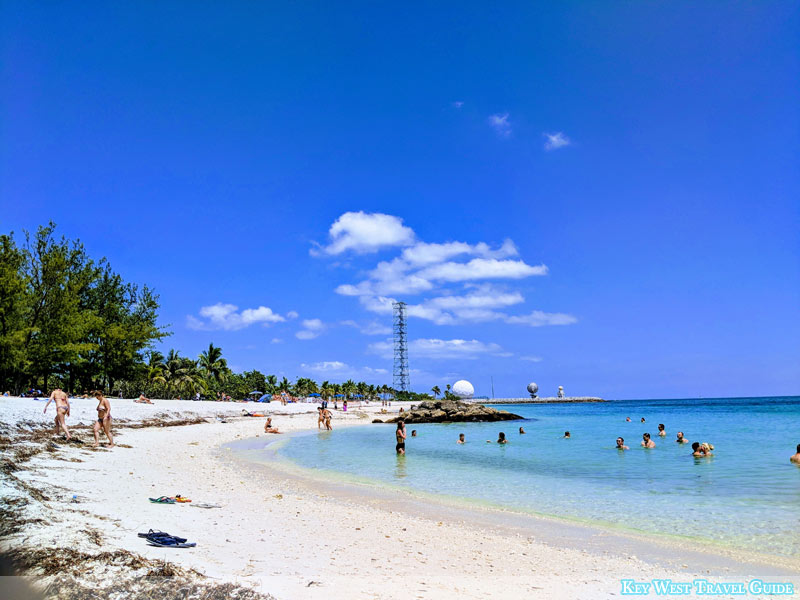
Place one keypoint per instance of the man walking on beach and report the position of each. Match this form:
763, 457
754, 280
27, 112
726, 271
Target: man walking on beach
62, 410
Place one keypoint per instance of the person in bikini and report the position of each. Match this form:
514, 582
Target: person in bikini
320, 418
268, 428
400, 435
62, 410
103, 420
327, 415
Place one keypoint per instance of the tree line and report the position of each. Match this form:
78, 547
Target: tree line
69, 321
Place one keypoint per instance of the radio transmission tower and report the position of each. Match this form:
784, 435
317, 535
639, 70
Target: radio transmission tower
400, 380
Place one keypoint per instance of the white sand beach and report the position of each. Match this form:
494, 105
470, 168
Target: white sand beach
292, 537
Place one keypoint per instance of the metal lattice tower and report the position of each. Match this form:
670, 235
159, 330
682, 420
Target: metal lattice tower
400, 380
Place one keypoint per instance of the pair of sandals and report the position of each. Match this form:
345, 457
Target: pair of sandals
162, 539
169, 499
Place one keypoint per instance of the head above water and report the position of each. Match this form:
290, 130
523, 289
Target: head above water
642, 419
661, 427
620, 441
680, 435
695, 446
502, 436
646, 436
461, 436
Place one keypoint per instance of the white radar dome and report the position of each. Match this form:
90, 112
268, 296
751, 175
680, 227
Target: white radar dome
463, 389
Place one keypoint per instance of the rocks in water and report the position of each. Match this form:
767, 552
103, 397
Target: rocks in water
377, 421
452, 411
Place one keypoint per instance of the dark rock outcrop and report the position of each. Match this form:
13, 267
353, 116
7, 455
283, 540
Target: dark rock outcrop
452, 411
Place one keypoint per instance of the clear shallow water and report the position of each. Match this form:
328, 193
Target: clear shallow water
747, 495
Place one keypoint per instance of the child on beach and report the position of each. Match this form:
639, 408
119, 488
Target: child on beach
62, 410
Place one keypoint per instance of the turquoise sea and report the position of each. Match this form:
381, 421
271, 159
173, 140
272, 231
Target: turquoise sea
747, 495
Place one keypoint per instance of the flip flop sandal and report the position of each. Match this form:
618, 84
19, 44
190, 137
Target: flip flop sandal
171, 543
206, 505
152, 533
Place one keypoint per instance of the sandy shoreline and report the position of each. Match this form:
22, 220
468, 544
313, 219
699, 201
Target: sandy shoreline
283, 534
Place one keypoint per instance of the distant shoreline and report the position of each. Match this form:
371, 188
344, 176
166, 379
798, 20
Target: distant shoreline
548, 400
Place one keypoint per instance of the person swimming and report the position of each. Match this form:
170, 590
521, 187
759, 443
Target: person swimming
461, 439
103, 420
521, 431
501, 439
642, 419
661, 431
621, 444
647, 442
697, 450
628, 420
567, 435
681, 439
796, 457
413, 433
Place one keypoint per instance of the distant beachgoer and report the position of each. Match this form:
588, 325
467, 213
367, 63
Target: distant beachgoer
103, 420
647, 442
327, 415
628, 420
62, 411
796, 457
661, 431
697, 450
413, 433
681, 439
566, 434
400, 435
521, 431
268, 428
142, 400
642, 419
401, 409
320, 418
344, 406
621, 444
461, 440
502, 438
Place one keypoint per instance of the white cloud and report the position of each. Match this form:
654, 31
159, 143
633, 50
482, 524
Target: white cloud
311, 328
276, 341
337, 370
481, 268
538, 319
366, 232
292, 314
554, 141
442, 349
228, 317
535, 359
371, 328
458, 104
500, 124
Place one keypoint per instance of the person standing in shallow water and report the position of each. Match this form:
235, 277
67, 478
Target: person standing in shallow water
103, 420
796, 458
661, 430
647, 442
400, 435
62, 410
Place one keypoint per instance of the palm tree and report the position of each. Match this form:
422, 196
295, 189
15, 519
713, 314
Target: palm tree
272, 384
211, 363
436, 391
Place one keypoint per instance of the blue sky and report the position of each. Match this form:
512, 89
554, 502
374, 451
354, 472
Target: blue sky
602, 196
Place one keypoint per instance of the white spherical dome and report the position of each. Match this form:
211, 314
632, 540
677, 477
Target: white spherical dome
532, 388
463, 389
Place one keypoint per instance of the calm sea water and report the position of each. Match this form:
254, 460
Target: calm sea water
747, 495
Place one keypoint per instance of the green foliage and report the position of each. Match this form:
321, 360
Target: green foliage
68, 320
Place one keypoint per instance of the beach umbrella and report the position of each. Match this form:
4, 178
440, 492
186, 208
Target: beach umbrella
314, 395
265, 398
338, 395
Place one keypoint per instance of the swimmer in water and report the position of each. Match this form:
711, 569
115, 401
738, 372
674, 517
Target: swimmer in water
461, 439
521, 431
621, 444
62, 410
400, 435
647, 442
628, 420
796, 457
502, 438
681, 439
567, 435
642, 419
697, 450
661, 431
413, 433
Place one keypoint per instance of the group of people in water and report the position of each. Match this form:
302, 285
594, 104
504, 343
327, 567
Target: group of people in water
103, 422
699, 450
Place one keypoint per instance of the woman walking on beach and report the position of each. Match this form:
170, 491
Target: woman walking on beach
327, 415
103, 420
62, 410
400, 435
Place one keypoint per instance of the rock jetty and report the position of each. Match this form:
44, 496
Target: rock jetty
452, 411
